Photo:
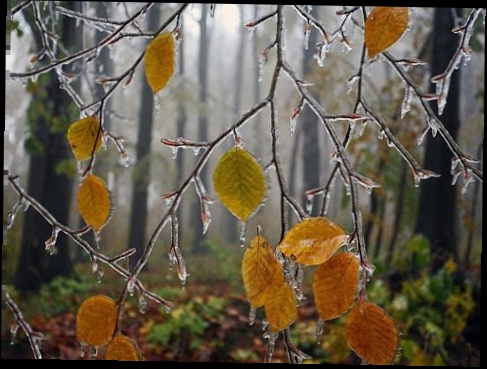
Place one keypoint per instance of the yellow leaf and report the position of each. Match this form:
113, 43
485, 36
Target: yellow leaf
280, 305
384, 27
85, 137
239, 182
94, 202
335, 285
313, 241
95, 320
159, 61
122, 348
258, 269
372, 333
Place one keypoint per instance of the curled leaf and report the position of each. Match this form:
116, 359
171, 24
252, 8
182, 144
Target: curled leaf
94, 202
239, 182
95, 320
372, 333
122, 348
313, 241
85, 137
384, 27
159, 61
258, 269
335, 285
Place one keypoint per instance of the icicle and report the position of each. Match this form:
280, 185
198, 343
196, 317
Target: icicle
252, 315
13, 213
406, 104
243, 227
205, 215
262, 62
321, 50
309, 202
157, 106
84, 346
351, 82
454, 163
251, 32
94, 264
327, 202
423, 135
97, 235
423, 174
142, 303
320, 324
381, 134
174, 150
271, 337
347, 45
468, 178
131, 285
433, 124
94, 352
364, 362
100, 273
196, 150
307, 33
51, 241
13, 331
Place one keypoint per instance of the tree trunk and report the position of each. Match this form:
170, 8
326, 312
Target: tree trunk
202, 122
52, 189
141, 176
437, 213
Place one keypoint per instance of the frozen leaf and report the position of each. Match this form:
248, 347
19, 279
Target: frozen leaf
335, 285
159, 61
313, 241
94, 202
122, 348
95, 320
280, 306
384, 27
85, 137
372, 333
258, 269
239, 182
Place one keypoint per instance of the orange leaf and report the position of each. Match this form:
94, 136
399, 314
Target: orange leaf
122, 348
384, 27
313, 241
85, 137
95, 321
372, 333
94, 202
258, 269
280, 305
335, 285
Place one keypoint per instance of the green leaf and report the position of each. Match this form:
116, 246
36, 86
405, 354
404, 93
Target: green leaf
239, 182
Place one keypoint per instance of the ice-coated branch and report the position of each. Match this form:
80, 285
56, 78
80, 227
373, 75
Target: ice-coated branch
17, 8
34, 337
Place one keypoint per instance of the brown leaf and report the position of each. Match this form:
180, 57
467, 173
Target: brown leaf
384, 27
335, 285
258, 269
313, 241
372, 333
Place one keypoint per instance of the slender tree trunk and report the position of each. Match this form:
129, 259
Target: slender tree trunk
202, 121
141, 177
309, 124
52, 189
437, 213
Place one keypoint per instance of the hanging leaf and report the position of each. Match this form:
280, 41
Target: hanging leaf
280, 305
85, 137
159, 61
372, 333
239, 182
335, 285
258, 269
313, 241
384, 27
122, 348
94, 202
95, 320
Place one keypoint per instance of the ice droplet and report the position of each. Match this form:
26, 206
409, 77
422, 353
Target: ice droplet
406, 104
251, 32
309, 202
51, 241
142, 303
174, 150
84, 346
94, 265
252, 315
13, 331
320, 324
243, 228
94, 352
101, 273
13, 213
351, 81
131, 285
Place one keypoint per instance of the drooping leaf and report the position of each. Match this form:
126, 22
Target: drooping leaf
280, 305
95, 320
85, 137
159, 61
239, 182
94, 202
372, 333
335, 285
313, 241
122, 348
258, 269
384, 27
